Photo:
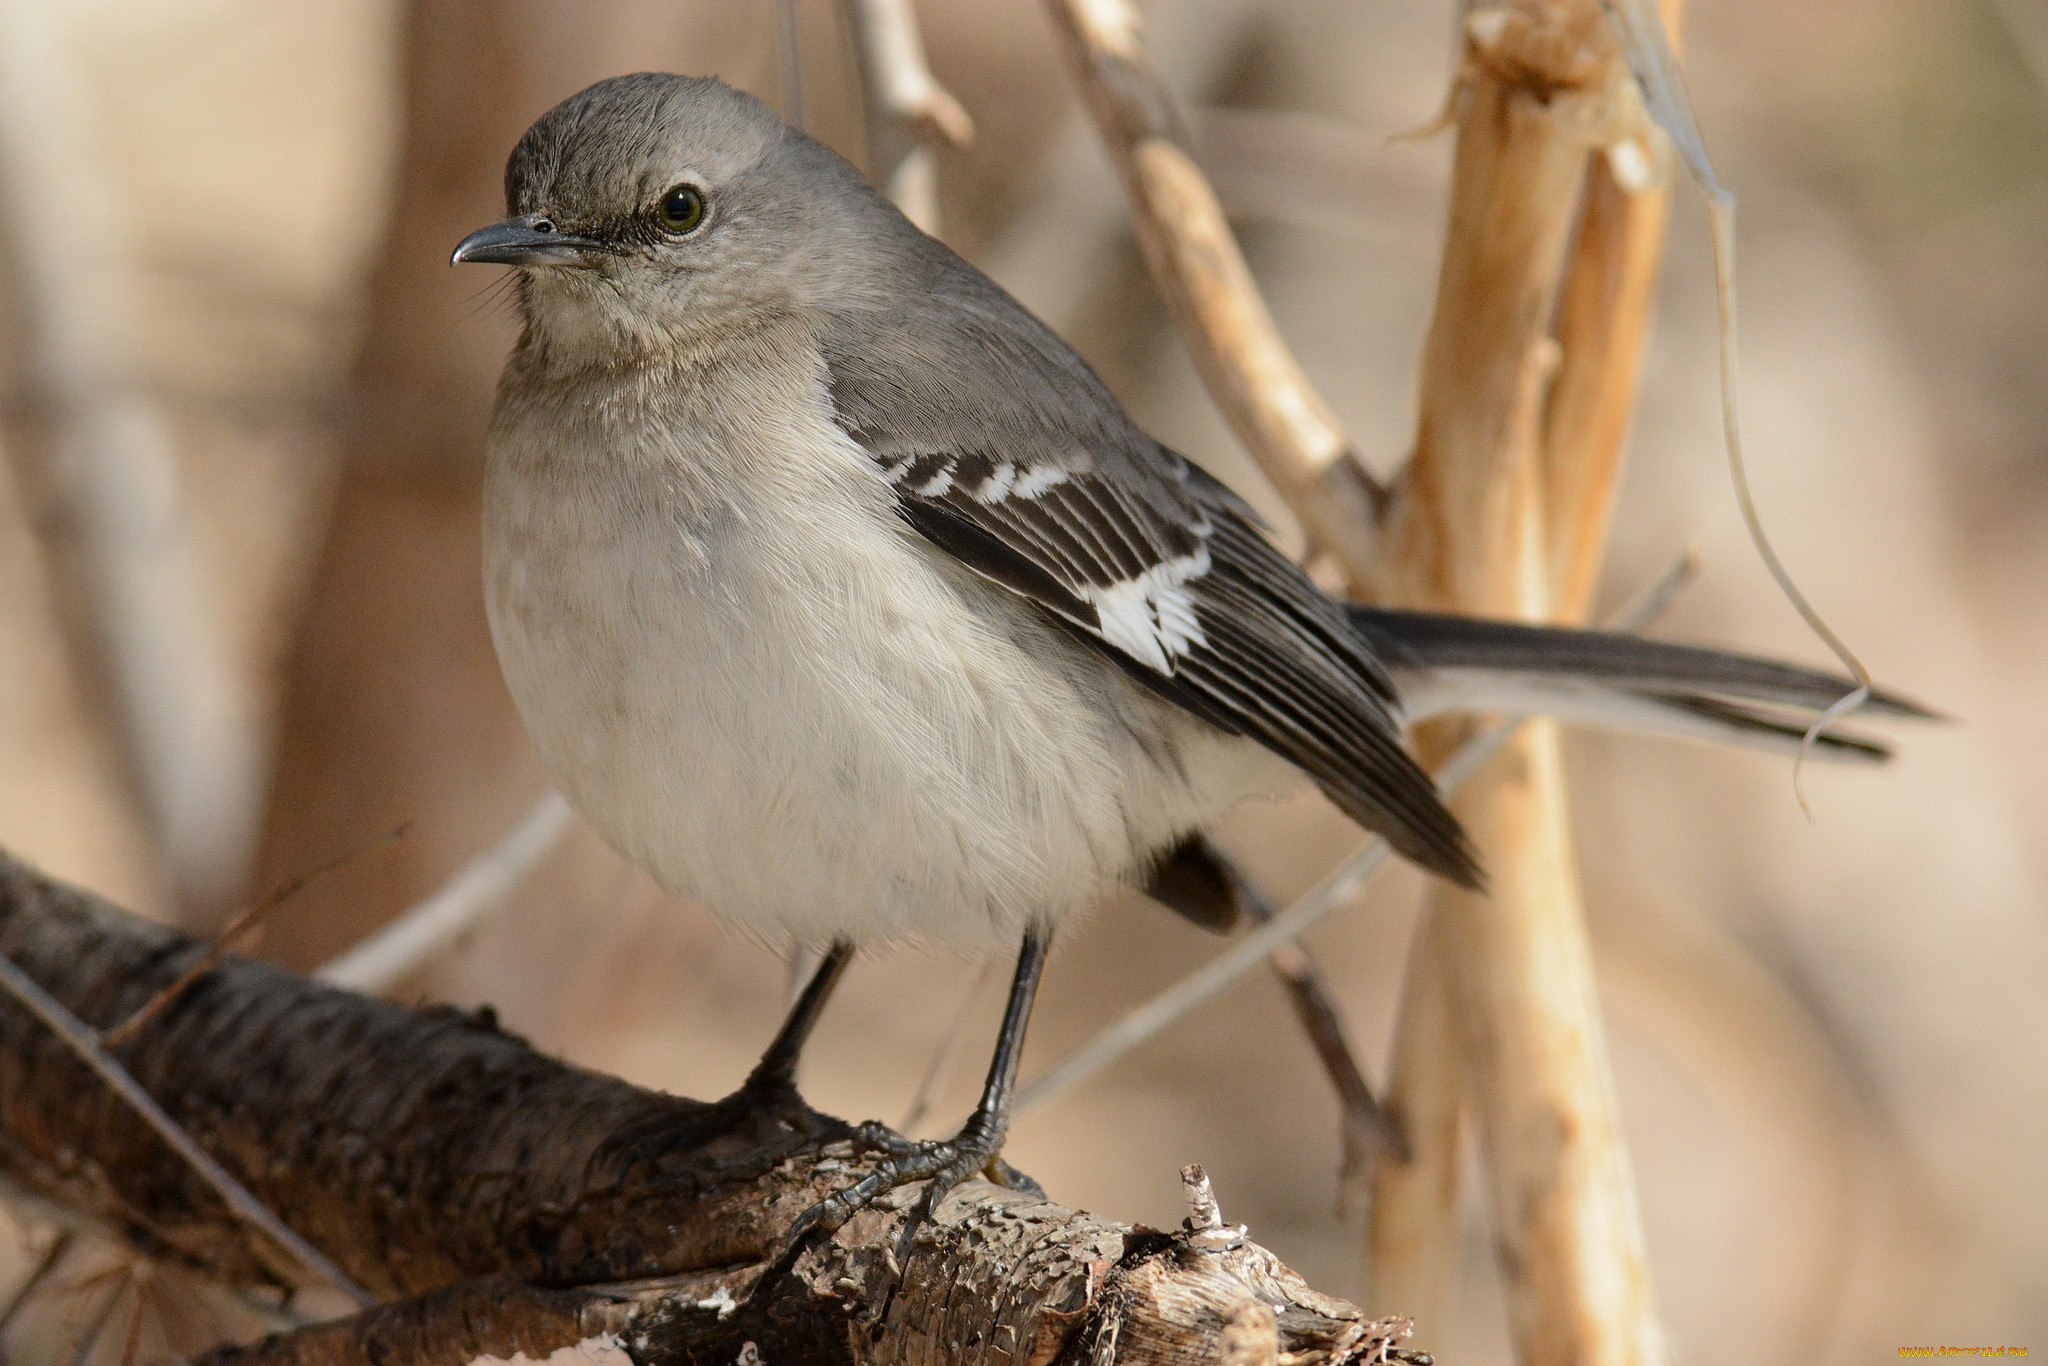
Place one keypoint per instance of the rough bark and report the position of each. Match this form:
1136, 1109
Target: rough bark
503, 1202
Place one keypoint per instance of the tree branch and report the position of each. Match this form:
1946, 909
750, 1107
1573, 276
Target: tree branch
1195, 261
909, 112
85, 1045
510, 1203
1501, 999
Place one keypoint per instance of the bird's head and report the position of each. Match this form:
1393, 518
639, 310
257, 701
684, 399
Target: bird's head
653, 210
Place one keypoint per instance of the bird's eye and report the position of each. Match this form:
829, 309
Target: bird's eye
681, 210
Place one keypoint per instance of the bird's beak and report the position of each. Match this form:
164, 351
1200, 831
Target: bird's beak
530, 240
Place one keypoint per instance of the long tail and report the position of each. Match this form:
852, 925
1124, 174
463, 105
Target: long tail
1446, 663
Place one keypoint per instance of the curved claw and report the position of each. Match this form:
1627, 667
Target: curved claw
829, 1215
1009, 1178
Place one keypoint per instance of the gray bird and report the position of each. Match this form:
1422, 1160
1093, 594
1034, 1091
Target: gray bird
839, 594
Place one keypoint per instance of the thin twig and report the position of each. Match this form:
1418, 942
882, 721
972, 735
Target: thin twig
85, 1044
1654, 598
1194, 260
139, 602
138, 1281
1368, 1133
45, 1266
1643, 31
228, 1301
909, 113
233, 934
415, 938
1365, 1129
89, 1337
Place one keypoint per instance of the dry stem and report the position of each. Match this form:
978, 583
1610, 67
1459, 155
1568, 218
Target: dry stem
1603, 317
1501, 993
1252, 949
1415, 1229
1131, 1030
909, 112
1368, 1132
1194, 259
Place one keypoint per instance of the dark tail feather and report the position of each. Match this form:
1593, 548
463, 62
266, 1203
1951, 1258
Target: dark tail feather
1447, 663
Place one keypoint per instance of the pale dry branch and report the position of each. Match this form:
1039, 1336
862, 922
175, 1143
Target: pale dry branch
1060, 251
1602, 321
429, 929
499, 1202
1415, 1232
1504, 980
135, 600
910, 114
1194, 259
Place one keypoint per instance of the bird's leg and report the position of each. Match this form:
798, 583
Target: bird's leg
945, 1163
774, 1077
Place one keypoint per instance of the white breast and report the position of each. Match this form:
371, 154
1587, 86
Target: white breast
760, 686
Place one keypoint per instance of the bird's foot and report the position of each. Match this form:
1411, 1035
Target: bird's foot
876, 1136
941, 1164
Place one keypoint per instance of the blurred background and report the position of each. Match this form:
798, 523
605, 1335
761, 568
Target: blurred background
242, 394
